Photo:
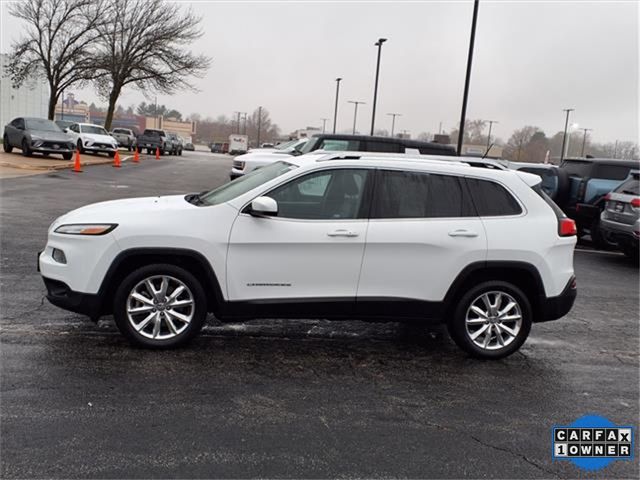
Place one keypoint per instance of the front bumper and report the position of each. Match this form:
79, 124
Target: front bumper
552, 308
235, 174
60, 295
93, 148
51, 150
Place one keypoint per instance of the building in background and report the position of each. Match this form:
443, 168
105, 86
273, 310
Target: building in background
30, 100
305, 133
172, 125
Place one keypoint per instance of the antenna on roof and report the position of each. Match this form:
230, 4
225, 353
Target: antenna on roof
487, 152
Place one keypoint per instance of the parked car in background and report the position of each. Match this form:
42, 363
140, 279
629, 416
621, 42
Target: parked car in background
188, 145
590, 179
37, 135
219, 147
175, 144
368, 237
153, 139
620, 219
238, 144
555, 181
344, 143
125, 137
267, 145
92, 138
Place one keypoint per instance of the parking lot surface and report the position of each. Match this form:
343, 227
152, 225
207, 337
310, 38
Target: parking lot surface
289, 398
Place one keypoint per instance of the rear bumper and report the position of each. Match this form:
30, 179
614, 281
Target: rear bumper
60, 295
619, 232
552, 308
234, 174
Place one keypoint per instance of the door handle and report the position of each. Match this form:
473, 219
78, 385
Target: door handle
463, 233
343, 233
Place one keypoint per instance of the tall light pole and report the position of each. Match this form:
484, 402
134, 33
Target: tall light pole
335, 112
584, 138
355, 112
244, 125
393, 121
259, 124
324, 123
564, 136
491, 122
375, 88
615, 150
465, 97
238, 121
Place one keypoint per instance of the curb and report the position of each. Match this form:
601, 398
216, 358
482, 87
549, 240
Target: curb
47, 168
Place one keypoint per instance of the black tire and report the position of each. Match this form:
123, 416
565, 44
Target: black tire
631, 252
80, 147
26, 151
6, 145
148, 151
458, 328
135, 278
67, 156
112, 154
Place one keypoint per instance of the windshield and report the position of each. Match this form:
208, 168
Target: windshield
41, 125
310, 146
248, 182
285, 145
94, 129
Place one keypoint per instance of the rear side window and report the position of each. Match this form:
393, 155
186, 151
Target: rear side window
419, 195
630, 187
492, 199
339, 145
611, 172
390, 147
436, 151
577, 169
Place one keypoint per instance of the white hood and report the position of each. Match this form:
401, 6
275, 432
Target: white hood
95, 137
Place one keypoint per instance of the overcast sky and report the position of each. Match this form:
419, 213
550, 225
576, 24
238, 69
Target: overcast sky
532, 59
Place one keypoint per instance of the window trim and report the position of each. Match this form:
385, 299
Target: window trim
365, 208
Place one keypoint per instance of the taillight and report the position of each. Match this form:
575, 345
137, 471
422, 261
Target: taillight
567, 227
635, 202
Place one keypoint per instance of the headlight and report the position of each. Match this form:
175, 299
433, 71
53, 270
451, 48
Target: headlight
86, 228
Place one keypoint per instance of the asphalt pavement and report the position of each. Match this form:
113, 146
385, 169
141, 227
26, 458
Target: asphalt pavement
284, 398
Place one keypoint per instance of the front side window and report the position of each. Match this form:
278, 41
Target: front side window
492, 199
400, 194
387, 147
325, 195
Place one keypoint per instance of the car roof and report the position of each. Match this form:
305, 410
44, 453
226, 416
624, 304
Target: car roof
605, 161
378, 138
439, 163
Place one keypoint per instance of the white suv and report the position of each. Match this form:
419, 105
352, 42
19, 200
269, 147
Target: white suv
353, 237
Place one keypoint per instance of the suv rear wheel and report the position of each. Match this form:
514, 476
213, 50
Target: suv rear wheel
492, 320
160, 306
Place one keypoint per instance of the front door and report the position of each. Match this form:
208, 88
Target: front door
307, 258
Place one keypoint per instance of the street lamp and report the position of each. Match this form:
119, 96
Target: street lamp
375, 88
584, 138
564, 136
491, 122
467, 80
335, 112
238, 121
355, 112
324, 123
393, 121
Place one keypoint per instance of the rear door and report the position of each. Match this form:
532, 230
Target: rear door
422, 232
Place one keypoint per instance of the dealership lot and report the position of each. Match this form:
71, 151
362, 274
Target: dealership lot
289, 398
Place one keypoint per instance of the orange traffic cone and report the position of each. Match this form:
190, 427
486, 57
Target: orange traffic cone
76, 165
136, 156
157, 153
116, 160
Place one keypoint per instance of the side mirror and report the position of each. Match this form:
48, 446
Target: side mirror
66, 130
262, 206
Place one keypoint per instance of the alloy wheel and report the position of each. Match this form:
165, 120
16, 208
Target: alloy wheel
160, 307
493, 320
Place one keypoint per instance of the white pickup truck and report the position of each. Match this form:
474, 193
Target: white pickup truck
260, 157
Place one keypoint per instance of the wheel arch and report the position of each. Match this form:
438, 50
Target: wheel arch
132, 259
523, 275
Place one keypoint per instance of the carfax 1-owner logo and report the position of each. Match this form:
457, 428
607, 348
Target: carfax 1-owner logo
592, 442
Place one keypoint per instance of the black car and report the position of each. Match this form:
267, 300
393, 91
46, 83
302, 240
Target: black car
37, 135
370, 143
590, 180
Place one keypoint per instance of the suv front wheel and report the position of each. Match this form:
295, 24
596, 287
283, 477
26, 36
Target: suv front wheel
492, 320
160, 306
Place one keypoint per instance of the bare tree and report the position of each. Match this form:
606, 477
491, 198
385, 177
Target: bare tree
56, 43
145, 45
